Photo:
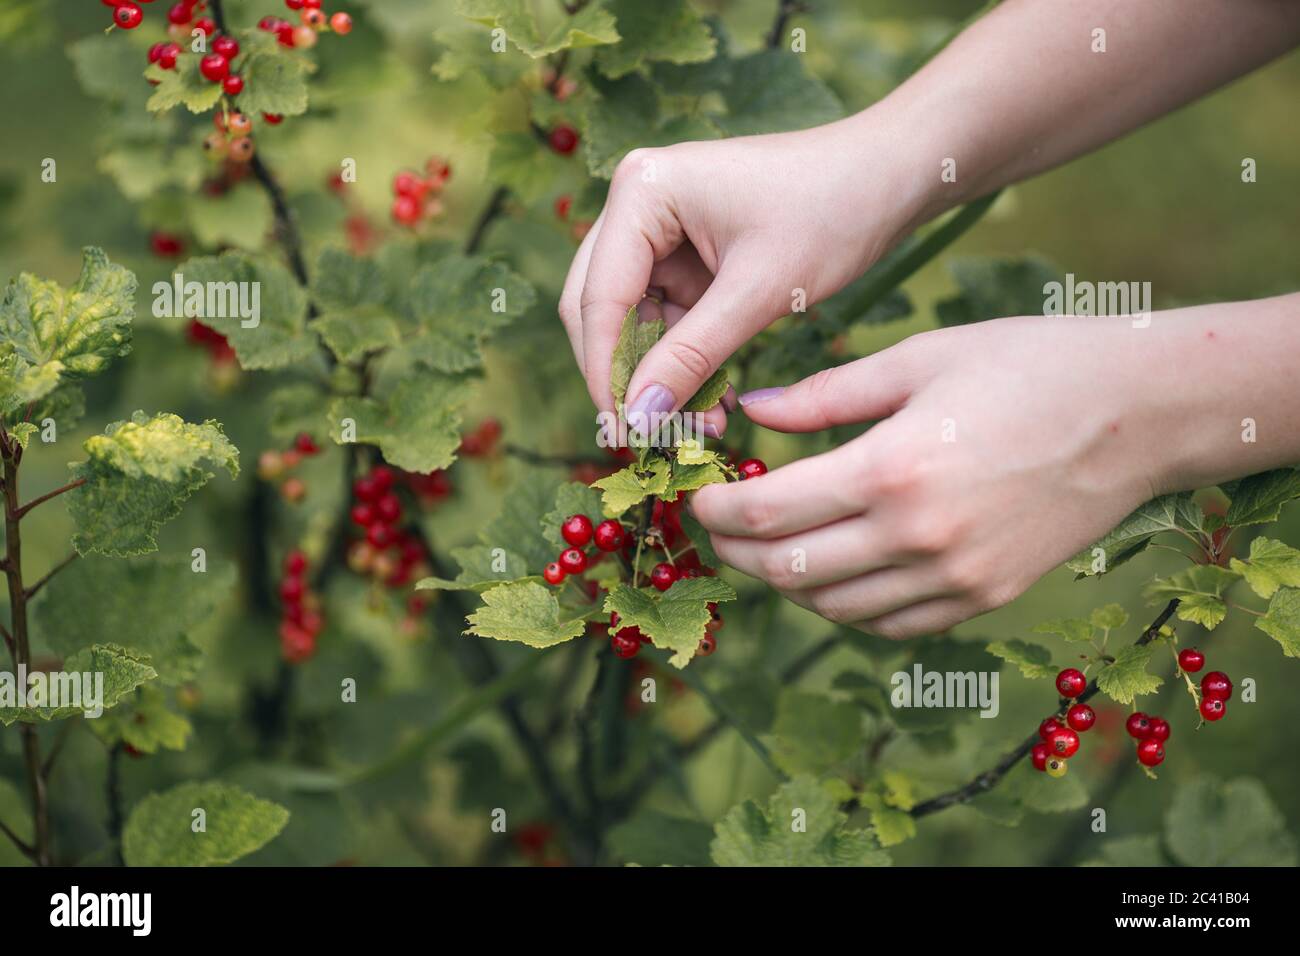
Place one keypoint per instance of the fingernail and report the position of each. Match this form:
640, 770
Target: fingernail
760, 395
729, 399
710, 430
653, 400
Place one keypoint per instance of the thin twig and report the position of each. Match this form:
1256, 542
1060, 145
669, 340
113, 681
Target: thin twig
25, 848
65, 730
46, 497
564, 461
785, 9
31, 591
495, 206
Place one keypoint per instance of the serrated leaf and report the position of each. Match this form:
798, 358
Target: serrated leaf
160, 830
526, 612
635, 339
991, 287
1282, 621
341, 281
770, 92
590, 26
626, 113
710, 393
274, 82
416, 426
633, 485
691, 477
891, 826
1034, 661
297, 408
1214, 823
1131, 851
242, 216
1073, 629
22, 432
280, 337
481, 567
1259, 498
1029, 789
814, 733
146, 724
1127, 677
700, 539
137, 476
48, 333
458, 303
672, 619
801, 826
355, 332
183, 85
1199, 591
122, 672
1109, 617
571, 498
1271, 565
149, 604
518, 526
1176, 512
651, 838
669, 31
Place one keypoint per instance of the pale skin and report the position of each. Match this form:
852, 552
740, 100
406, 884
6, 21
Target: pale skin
1057, 427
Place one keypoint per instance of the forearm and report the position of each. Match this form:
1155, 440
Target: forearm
1022, 89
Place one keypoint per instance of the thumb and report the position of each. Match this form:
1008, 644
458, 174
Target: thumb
727, 315
871, 388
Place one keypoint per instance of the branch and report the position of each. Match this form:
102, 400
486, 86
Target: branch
25, 848
565, 461
113, 792
491, 212
785, 9
990, 778
65, 729
46, 497
31, 591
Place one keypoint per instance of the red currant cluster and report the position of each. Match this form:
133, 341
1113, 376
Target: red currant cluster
416, 197
311, 21
233, 138
1216, 688
1150, 732
390, 554
217, 345
481, 441
300, 617
577, 530
273, 465
128, 15
1061, 738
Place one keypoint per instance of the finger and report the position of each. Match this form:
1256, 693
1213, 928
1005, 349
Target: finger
713, 421
805, 494
738, 303
809, 559
870, 388
682, 275
927, 617
570, 307
873, 595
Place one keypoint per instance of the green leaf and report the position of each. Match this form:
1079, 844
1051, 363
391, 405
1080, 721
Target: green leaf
672, 619
1258, 499
633, 485
992, 287
22, 433
145, 723
1176, 512
1028, 789
355, 332
479, 570
101, 68
814, 733
770, 92
417, 426
635, 339
800, 826
518, 526
122, 672
1109, 617
138, 475
295, 408
1131, 851
458, 302
241, 216
274, 82
142, 170
1271, 565
341, 281
150, 604
891, 826
1199, 590
279, 338
669, 31
626, 113
1073, 629
1127, 677
710, 393
591, 26
571, 498
526, 612
182, 85
1034, 661
700, 539
1212, 823
47, 332
651, 838
1282, 622
161, 828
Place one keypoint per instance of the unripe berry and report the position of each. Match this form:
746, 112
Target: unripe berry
241, 149
1159, 729
1056, 767
576, 530
573, 561
1081, 717
1063, 742
553, 573
270, 465
237, 124
214, 67
128, 16
663, 576
1039, 756
1191, 660
1212, 708
233, 85
1138, 726
751, 468
708, 644
293, 490
1215, 684
1151, 753
563, 139
341, 24
609, 535
1070, 682
304, 36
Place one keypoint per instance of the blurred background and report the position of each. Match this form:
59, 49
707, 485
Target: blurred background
1165, 205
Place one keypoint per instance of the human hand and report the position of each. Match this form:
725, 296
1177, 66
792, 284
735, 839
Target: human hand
1005, 448
725, 233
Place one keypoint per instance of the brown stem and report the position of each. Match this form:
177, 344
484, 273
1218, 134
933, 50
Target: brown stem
990, 778
785, 9
537, 458
47, 496
31, 591
495, 206
23, 847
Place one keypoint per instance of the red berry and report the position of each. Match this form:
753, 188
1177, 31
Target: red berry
1063, 742
1212, 708
269, 24
1039, 756
166, 244
708, 644
180, 13
167, 58
291, 590
304, 443
407, 183
563, 206
275, 119
226, 46
576, 530
341, 24
284, 32
214, 67
1151, 753
1046, 728
293, 4
1081, 717
155, 51
233, 85
207, 25
624, 644
383, 477
1216, 685
1071, 682
380, 535
1159, 729
553, 573
1138, 726
363, 515
295, 563
609, 535
311, 4
751, 468
573, 561
1191, 660
388, 508
366, 489
563, 139
128, 16
406, 210
663, 576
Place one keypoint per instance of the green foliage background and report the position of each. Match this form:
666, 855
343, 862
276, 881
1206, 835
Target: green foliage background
1166, 205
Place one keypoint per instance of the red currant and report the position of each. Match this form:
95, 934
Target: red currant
291, 590
1063, 742
1138, 726
233, 85
1081, 717
562, 207
573, 560
155, 51
180, 13
663, 576
275, 119
214, 67
207, 25
708, 644
363, 515
341, 24
311, 4
1071, 682
295, 563
380, 535
1191, 660
1039, 756
293, 4
1049, 725
553, 573
1159, 729
609, 535
1212, 708
128, 16
304, 443
388, 508
1151, 753
751, 468
167, 57
563, 139
383, 478
576, 530
1216, 685
226, 46
406, 210
624, 644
